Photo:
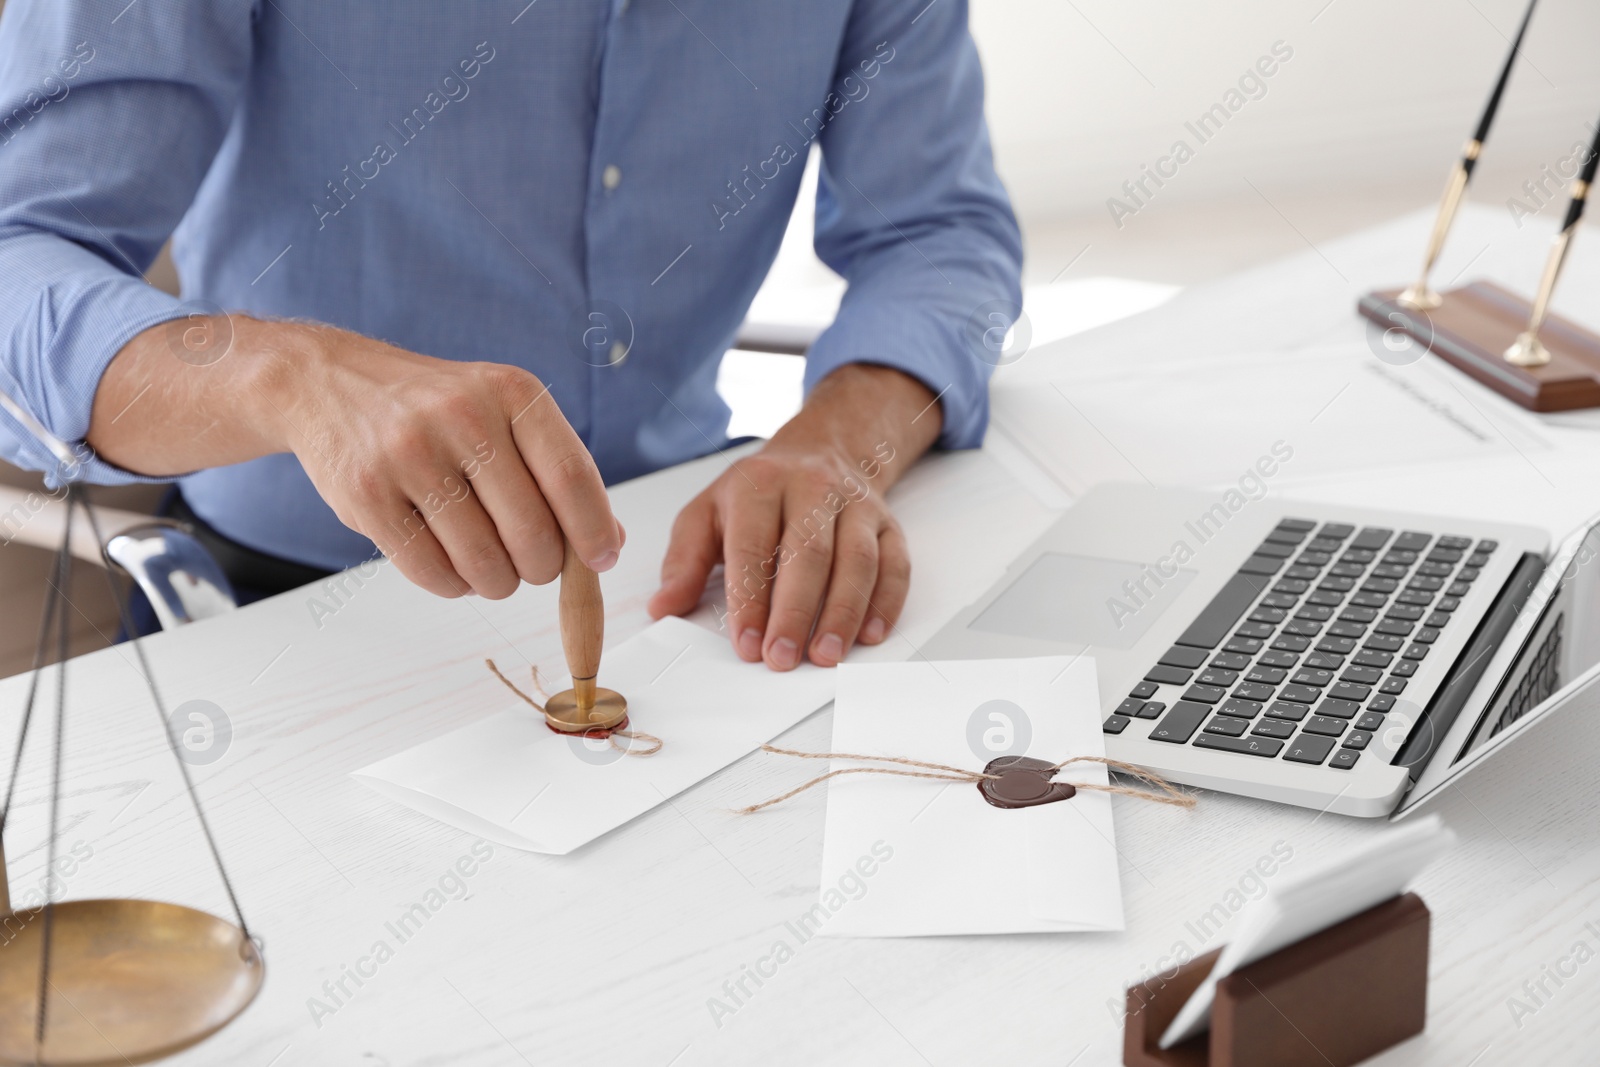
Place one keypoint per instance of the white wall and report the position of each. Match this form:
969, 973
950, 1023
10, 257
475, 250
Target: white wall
1082, 92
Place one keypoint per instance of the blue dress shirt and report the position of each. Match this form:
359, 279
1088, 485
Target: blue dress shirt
589, 189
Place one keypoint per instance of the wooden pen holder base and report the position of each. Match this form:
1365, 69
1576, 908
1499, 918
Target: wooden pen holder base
1475, 325
1332, 1000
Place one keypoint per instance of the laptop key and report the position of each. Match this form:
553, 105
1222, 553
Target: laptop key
1344, 759
1354, 613
1390, 570
1337, 584
1406, 612
1393, 686
1246, 646
1336, 530
1286, 537
1381, 703
1250, 746
1445, 555
1283, 709
1309, 612
1267, 675
1455, 542
1277, 658
1426, 636
1179, 724
1350, 691
1279, 600
1312, 676
1358, 555
1302, 571
1383, 643
1230, 661
1370, 600
1368, 722
1432, 585
1416, 597
1292, 643
1458, 589
1322, 724
1300, 694
1417, 652
1325, 597
1448, 603
1151, 709
1324, 661
1178, 656
1405, 668
1338, 709
1347, 629
1362, 675
1339, 646
1309, 748
1302, 627
1398, 627
1314, 559
1372, 537
1478, 559
1240, 709
1488, 546
1144, 690
1261, 565
1253, 691
1211, 626
1275, 549
1412, 540
1436, 619
1435, 570
1218, 677
1168, 675
1254, 629
1273, 728
1205, 694
1379, 585
1115, 724
1226, 726
1373, 658
1129, 707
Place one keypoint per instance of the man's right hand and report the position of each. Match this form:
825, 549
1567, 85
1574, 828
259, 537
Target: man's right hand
466, 475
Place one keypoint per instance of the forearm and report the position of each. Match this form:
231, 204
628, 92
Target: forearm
867, 414
197, 393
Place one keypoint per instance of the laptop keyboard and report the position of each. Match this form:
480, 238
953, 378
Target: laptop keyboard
1306, 648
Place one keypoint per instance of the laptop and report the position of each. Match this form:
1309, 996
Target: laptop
1349, 660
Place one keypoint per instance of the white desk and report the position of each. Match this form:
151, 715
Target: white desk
611, 954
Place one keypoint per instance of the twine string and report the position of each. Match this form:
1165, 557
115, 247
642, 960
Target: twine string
655, 743
1167, 793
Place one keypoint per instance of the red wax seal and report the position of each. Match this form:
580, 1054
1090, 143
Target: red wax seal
1023, 782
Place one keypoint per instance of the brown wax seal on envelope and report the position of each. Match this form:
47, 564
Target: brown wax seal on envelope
1023, 782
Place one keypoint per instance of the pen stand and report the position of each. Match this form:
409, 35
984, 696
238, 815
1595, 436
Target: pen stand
1474, 326
1332, 1000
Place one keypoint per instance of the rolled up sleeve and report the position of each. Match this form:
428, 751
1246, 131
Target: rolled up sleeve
108, 125
911, 212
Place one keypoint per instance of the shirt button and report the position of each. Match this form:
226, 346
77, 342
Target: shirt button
619, 352
611, 177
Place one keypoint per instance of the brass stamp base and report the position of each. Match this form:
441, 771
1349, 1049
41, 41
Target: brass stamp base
561, 711
1472, 330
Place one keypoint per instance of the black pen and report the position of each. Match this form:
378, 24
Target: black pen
1420, 297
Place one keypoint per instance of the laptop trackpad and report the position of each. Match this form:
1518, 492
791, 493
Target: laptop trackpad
1081, 600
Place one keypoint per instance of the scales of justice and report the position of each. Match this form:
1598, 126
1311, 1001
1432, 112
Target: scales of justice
1519, 349
91, 982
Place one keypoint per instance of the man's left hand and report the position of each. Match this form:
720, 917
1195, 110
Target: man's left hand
813, 559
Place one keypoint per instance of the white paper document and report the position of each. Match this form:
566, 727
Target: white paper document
1312, 900
511, 779
942, 859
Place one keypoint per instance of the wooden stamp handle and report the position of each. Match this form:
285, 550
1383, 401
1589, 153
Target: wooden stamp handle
583, 625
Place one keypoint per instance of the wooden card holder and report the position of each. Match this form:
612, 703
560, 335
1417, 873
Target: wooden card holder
1475, 325
1338, 997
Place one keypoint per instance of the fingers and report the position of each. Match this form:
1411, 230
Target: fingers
751, 517
805, 558
894, 582
401, 534
695, 548
564, 471
521, 518
855, 572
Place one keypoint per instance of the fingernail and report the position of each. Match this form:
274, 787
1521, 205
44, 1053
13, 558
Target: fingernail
750, 644
785, 654
830, 648
603, 563
872, 632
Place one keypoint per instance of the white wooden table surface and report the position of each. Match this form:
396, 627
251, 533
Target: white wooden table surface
614, 954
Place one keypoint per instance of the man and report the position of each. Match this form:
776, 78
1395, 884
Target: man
480, 258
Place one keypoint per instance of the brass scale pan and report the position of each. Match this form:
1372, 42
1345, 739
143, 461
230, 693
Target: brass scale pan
129, 981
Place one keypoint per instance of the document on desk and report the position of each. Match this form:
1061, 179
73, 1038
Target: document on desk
1306, 416
512, 780
905, 857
